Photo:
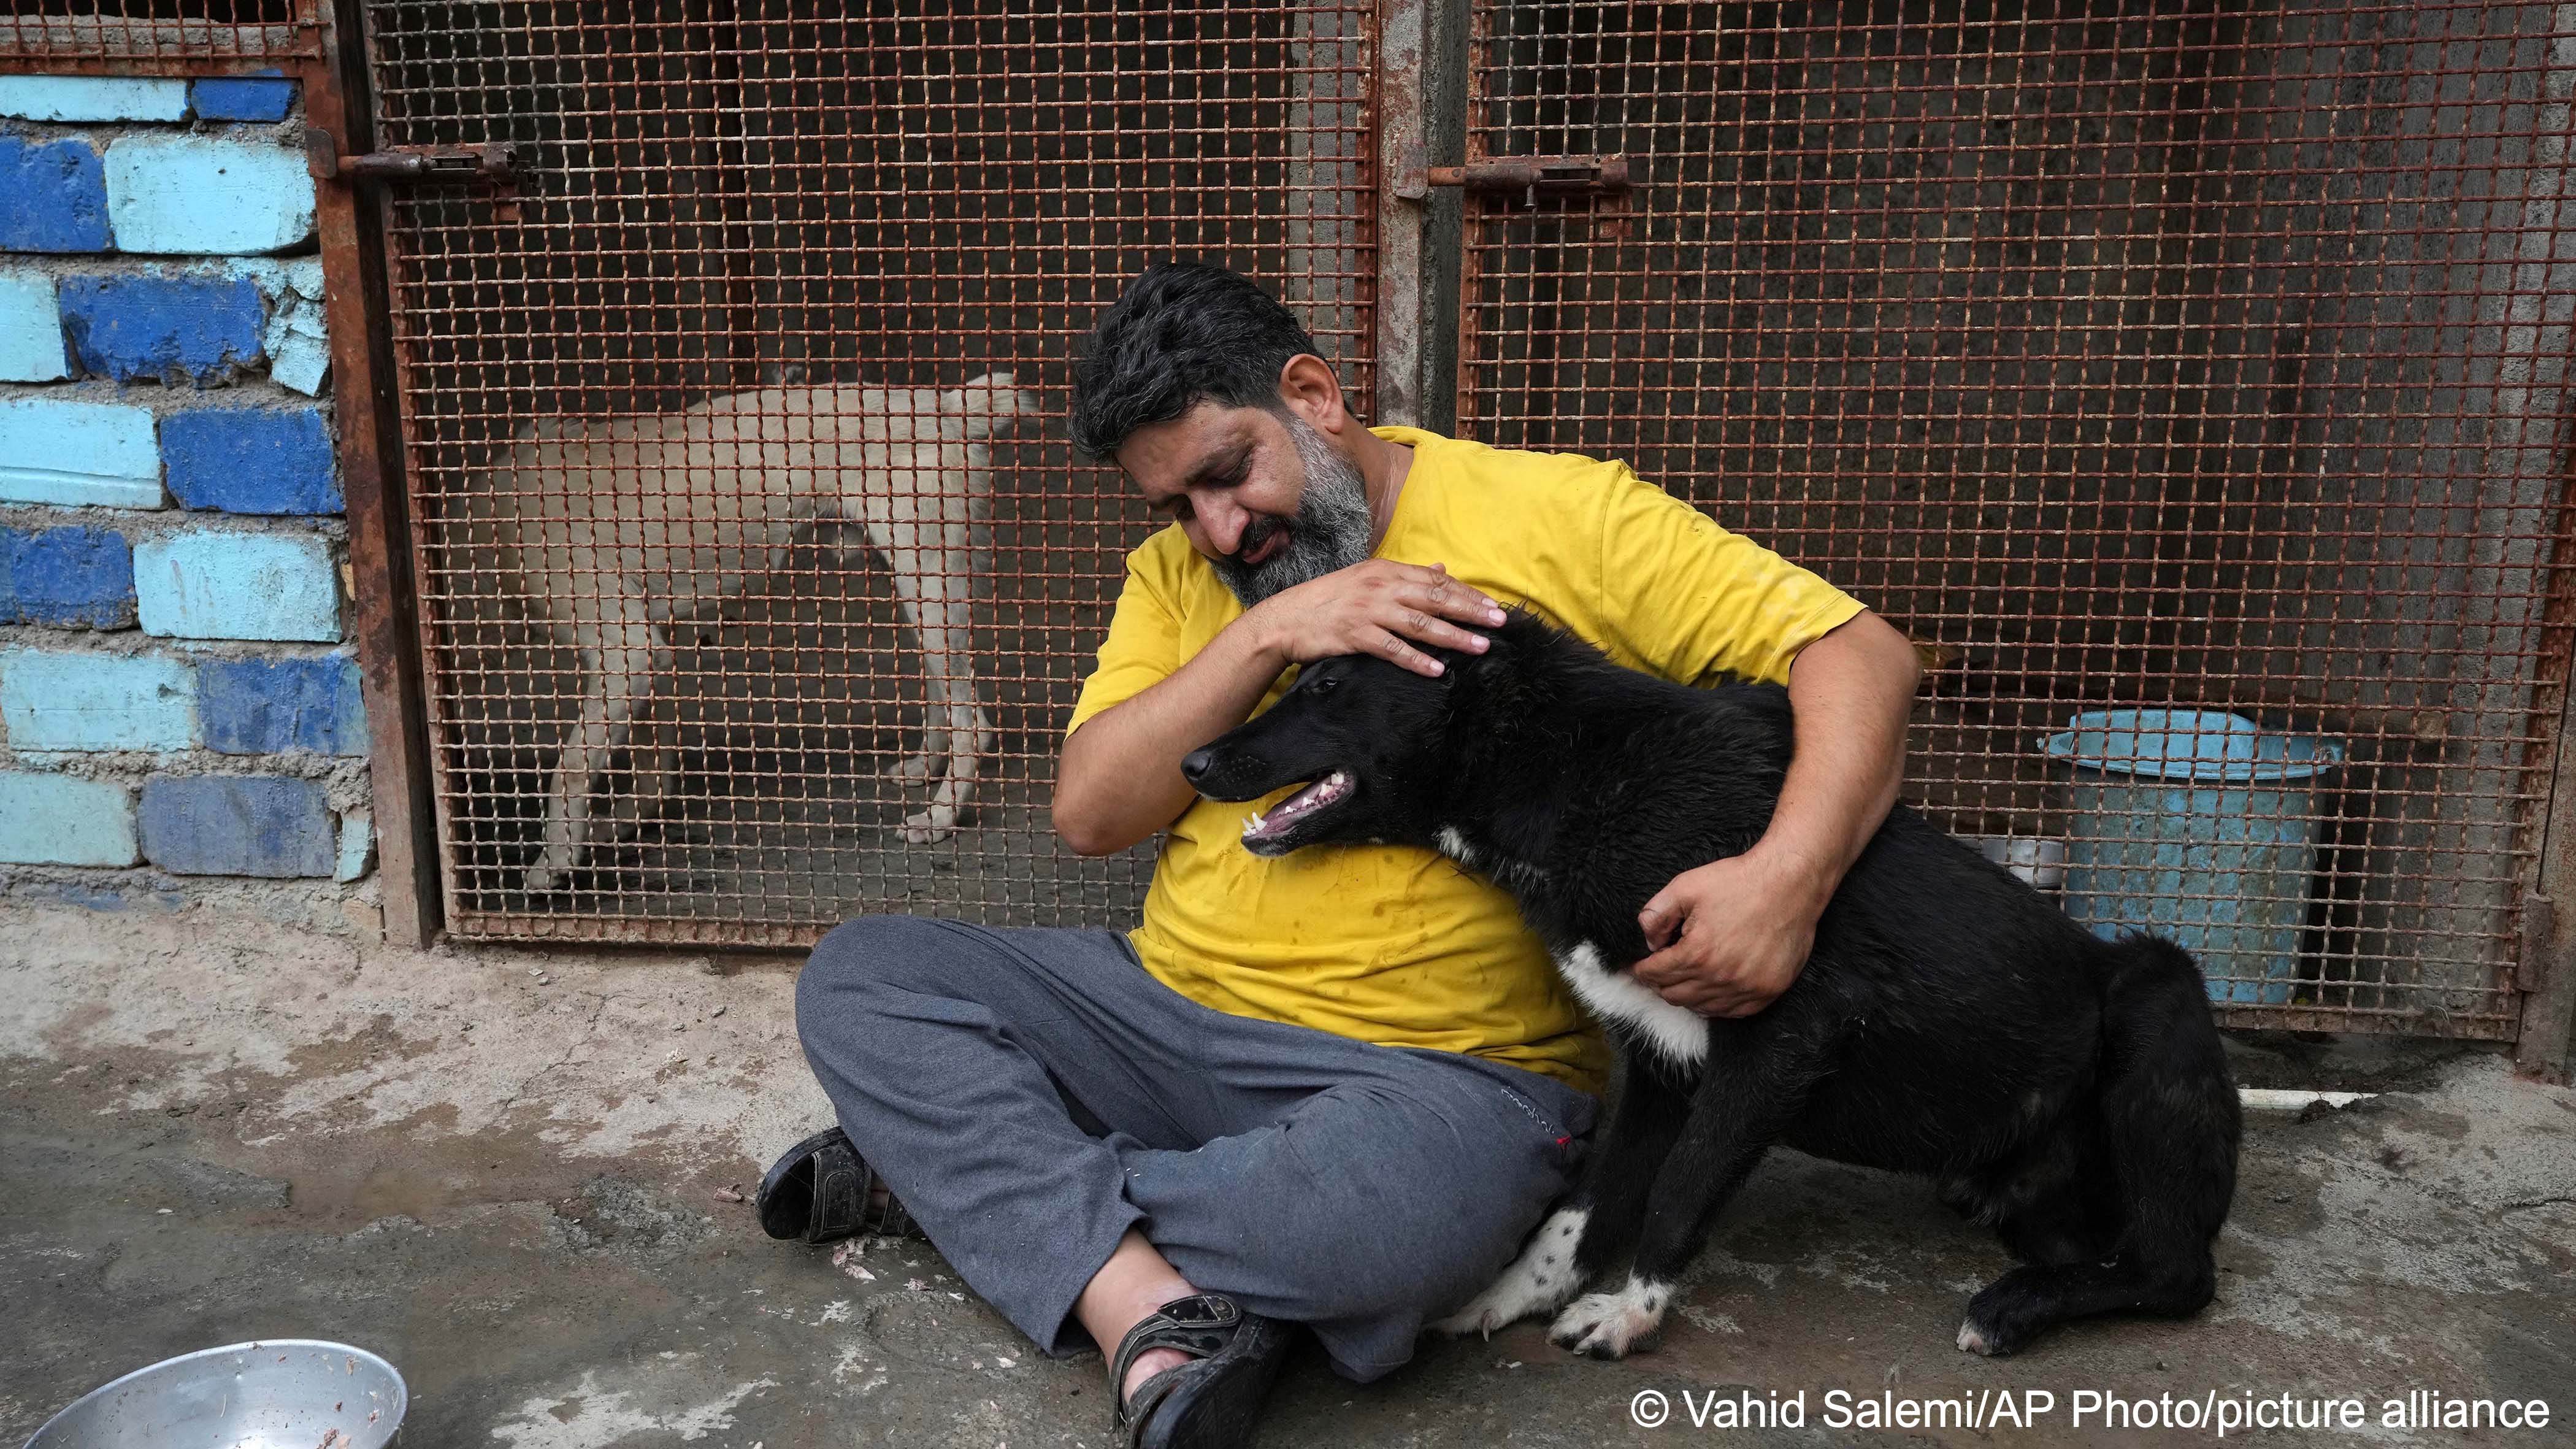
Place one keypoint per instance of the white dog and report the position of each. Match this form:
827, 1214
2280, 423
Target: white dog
618, 528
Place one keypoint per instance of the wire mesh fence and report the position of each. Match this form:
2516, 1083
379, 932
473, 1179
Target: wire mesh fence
149, 35
2188, 380
756, 576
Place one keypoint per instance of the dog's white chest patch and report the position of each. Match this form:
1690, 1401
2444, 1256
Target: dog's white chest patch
1511, 875
1680, 1033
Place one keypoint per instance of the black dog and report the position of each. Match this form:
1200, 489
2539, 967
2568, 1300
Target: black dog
2068, 1091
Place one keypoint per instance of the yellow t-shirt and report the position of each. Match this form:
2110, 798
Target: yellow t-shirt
1395, 945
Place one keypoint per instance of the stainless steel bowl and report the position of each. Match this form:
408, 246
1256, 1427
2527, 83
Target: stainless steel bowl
279, 1393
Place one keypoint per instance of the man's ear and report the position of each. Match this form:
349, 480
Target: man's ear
1308, 388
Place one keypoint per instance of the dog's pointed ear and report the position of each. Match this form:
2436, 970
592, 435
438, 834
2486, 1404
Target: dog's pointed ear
1526, 628
1498, 678
1505, 678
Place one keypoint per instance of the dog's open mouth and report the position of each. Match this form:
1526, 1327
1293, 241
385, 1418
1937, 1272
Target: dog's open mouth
1264, 829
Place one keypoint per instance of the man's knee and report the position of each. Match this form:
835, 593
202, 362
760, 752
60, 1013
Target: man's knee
1419, 1230
869, 953
1371, 1264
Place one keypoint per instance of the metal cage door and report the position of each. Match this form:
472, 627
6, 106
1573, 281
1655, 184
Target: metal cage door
2132, 358
752, 595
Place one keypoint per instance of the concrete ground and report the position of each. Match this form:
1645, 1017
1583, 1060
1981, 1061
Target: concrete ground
501, 1170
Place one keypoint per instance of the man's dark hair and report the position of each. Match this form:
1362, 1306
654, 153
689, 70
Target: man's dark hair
1182, 333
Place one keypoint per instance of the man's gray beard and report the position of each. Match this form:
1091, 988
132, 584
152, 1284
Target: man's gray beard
1331, 529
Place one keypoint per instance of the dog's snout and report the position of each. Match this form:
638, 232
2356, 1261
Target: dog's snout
1196, 764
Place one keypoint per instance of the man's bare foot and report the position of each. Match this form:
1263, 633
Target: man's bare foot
1149, 1363
1127, 1290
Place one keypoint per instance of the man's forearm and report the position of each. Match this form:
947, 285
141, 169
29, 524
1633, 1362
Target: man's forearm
1853, 692
1728, 937
1119, 779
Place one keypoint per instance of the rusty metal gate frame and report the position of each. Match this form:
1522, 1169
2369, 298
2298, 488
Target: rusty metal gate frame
339, 107
103, 42
2545, 965
1348, 32
2536, 969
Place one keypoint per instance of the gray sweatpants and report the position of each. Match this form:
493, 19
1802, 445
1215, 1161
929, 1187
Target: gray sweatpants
1031, 1095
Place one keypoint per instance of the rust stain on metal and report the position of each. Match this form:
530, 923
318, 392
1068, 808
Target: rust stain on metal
1534, 176
418, 165
128, 37
381, 582
1402, 284
2546, 1047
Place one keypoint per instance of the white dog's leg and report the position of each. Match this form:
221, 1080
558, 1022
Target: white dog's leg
1540, 1279
620, 655
924, 762
934, 587
657, 766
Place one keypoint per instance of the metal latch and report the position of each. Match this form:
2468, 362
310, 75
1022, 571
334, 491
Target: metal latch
1531, 177
1537, 176
497, 165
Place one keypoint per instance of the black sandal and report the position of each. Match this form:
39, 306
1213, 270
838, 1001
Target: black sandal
1208, 1403
818, 1193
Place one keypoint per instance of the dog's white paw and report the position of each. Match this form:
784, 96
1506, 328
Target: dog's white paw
1973, 1339
1613, 1325
930, 826
1536, 1282
549, 872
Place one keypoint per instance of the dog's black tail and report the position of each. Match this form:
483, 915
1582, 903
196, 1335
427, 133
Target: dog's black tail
2169, 1121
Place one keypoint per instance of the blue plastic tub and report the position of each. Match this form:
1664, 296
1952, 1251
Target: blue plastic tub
2195, 825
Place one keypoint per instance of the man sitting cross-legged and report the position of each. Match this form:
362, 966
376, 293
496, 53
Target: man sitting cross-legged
1334, 1089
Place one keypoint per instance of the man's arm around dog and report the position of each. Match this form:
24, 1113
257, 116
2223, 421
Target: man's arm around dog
1731, 935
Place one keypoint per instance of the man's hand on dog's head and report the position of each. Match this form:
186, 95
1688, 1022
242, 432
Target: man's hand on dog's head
1379, 607
1728, 937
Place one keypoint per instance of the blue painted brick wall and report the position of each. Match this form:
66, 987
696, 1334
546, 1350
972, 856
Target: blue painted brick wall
267, 706
66, 578
73, 452
207, 195
57, 193
200, 329
93, 98
260, 825
216, 584
50, 819
60, 700
31, 329
241, 98
107, 736
357, 845
251, 460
